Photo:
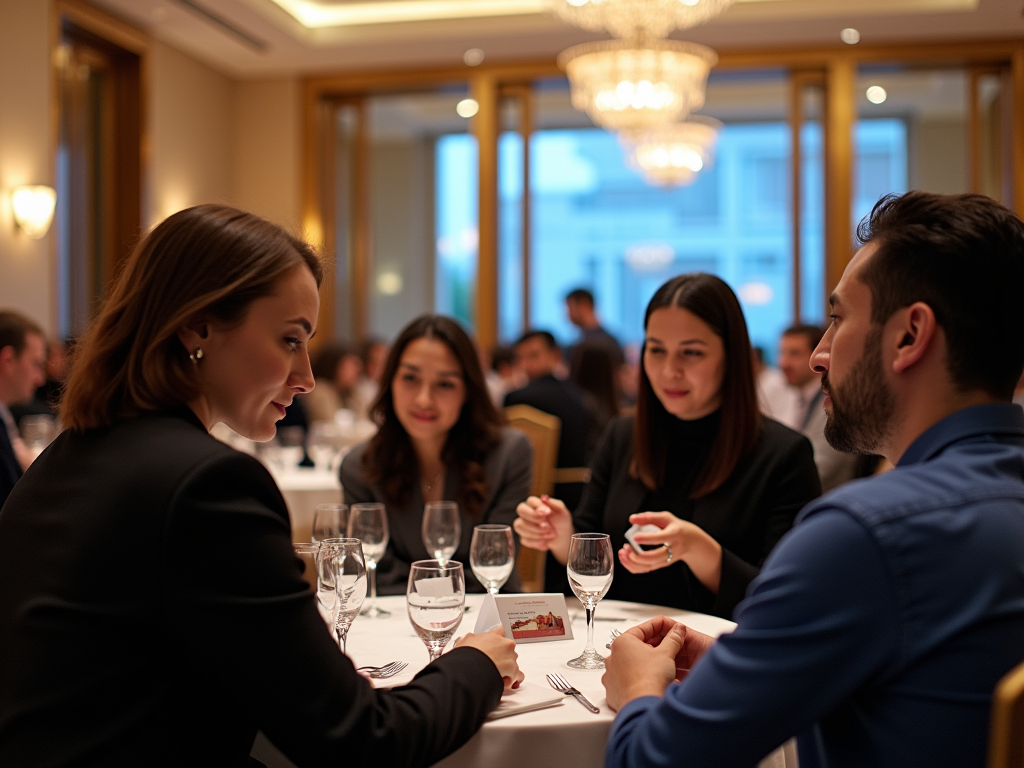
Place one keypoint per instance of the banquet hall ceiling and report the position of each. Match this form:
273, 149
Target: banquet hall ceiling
259, 38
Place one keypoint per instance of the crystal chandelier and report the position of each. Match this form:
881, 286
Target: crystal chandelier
623, 87
637, 19
673, 154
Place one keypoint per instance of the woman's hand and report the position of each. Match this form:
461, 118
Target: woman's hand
546, 524
500, 650
682, 541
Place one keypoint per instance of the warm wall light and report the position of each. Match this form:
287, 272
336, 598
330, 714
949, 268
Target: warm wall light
33, 209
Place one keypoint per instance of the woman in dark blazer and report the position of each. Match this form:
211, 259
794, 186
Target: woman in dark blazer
152, 610
726, 483
440, 437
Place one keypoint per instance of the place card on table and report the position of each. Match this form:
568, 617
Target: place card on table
527, 618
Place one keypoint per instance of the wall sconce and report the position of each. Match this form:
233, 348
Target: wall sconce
33, 209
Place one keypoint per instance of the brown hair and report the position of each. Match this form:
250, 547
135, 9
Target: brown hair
390, 461
206, 261
14, 331
710, 299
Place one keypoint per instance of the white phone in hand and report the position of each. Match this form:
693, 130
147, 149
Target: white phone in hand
639, 548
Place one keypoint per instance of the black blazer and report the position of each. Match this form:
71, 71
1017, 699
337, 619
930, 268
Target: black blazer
153, 613
564, 400
509, 471
10, 469
747, 515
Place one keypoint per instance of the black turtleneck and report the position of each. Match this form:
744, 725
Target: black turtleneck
687, 446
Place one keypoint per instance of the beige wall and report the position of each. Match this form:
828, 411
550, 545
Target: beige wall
190, 130
266, 137
25, 153
938, 156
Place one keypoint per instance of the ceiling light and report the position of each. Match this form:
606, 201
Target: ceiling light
473, 57
675, 153
467, 107
850, 36
33, 209
876, 94
622, 86
637, 19
314, 15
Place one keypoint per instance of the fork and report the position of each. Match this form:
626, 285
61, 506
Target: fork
559, 683
388, 670
615, 633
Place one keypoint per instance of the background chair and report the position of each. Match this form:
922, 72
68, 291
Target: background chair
1006, 738
543, 431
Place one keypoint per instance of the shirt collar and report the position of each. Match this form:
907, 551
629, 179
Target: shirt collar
988, 419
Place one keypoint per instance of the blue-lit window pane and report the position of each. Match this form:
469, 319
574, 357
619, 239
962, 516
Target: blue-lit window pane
456, 226
510, 236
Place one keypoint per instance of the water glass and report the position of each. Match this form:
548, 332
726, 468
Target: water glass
290, 450
37, 431
441, 529
590, 569
330, 521
368, 522
324, 444
436, 598
342, 562
492, 555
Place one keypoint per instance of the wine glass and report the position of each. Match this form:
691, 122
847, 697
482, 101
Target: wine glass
290, 446
369, 523
590, 572
492, 555
436, 597
341, 562
330, 521
324, 443
441, 529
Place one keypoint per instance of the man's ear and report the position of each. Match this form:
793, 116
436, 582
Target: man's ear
913, 332
7, 355
193, 334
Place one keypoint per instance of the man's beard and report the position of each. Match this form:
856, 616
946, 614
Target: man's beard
862, 408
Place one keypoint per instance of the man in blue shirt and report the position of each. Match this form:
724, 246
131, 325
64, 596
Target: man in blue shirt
880, 625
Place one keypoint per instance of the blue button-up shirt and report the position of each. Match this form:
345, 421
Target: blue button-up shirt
877, 629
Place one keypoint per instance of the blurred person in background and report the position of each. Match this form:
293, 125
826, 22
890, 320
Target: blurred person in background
697, 461
502, 373
22, 371
795, 348
773, 393
337, 369
439, 438
47, 397
582, 312
373, 352
595, 374
152, 603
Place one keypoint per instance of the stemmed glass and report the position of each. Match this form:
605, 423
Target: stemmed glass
369, 523
441, 529
341, 565
324, 444
590, 570
435, 597
330, 521
492, 555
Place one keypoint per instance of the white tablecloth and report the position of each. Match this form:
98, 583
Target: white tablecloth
304, 488
568, 730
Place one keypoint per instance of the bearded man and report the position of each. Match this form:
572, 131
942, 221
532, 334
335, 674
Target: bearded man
880, 625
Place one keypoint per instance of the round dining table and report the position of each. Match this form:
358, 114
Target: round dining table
566, 729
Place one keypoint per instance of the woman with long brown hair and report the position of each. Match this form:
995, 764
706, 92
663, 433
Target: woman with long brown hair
440, 437
726, 482
152, 604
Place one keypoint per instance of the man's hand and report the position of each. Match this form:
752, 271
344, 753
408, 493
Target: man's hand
646, 659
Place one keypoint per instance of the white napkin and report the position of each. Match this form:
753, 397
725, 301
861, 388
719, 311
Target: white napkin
526, 698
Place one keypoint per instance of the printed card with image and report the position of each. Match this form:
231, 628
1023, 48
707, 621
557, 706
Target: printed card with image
527, 618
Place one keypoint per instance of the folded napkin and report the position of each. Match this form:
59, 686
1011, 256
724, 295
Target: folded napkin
526, 698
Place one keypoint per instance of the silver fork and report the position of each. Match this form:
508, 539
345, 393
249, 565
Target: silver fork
388, 670
559, 683
615, 633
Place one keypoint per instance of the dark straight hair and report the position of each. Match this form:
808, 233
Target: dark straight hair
390, 461
710, 299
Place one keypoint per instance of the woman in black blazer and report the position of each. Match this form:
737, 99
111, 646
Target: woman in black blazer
152, 610
440, 437
725, 481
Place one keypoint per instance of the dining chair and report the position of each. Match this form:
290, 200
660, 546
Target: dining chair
543, 431
1006, 736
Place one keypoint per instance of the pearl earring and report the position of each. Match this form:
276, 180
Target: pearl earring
196, 356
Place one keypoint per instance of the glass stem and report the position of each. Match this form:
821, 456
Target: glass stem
590, 628
372, 565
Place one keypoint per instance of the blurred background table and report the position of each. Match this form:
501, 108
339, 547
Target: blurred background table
303, 488
567, 730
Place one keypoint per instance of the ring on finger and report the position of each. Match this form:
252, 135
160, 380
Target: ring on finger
668, 558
